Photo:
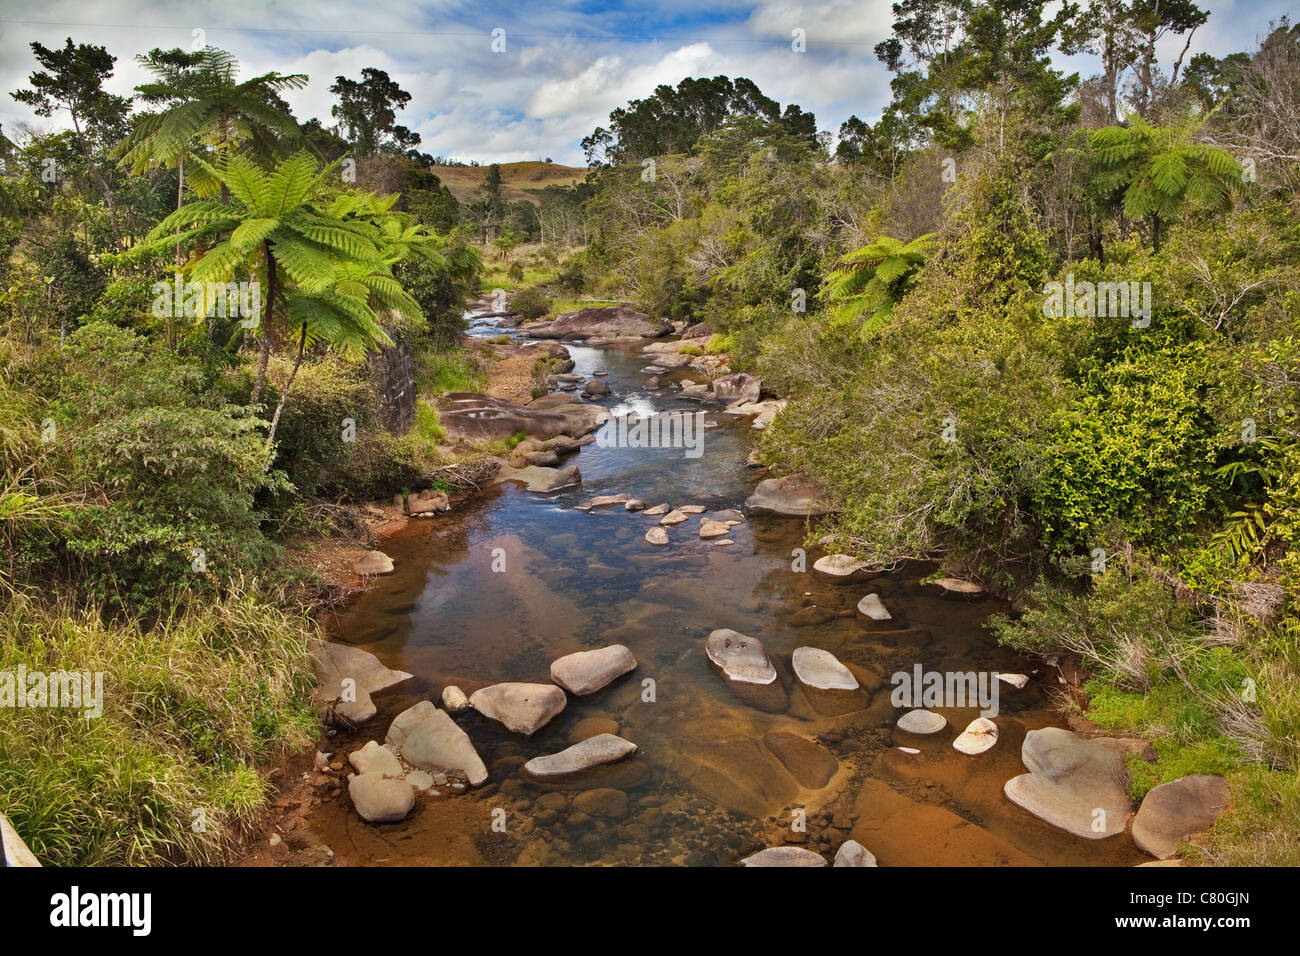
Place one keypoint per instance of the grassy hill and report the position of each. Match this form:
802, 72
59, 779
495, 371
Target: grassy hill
516, 179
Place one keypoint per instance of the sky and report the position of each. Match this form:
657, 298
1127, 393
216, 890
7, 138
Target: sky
564, 65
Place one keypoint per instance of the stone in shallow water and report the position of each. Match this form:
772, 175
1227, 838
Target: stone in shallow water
980, 735
822, 670
635, 504
592, 752
586, 672
741, 658
922, 722
959, 588
784, 856
672, 518
808, 761
428, 739
373, 562
601, 501
1018, 681
788, 496
373, 758
872, 608
1072, 778
523, 708
657, 536
336, 663
380, 799
714, 529
603, 802
853, 853
839, 565
420, 780
692, 509
657, 509
1174, 811
454, 699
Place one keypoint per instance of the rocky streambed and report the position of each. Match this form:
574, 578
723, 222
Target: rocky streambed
622, 655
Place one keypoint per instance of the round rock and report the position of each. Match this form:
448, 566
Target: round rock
586, 672
922, 722
741, 658
980, 735
822, 670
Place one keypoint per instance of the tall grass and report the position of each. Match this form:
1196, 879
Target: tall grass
192, 707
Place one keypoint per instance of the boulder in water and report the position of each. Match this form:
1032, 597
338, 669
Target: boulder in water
741, 658
523, 708
585, 672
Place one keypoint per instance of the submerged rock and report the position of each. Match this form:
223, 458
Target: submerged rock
672, 518
657, 536
821, 670
1174, 811
662, 509
523, 708
741, 658
592, 752
586, 672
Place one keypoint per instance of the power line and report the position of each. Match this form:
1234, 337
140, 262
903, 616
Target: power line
446, 34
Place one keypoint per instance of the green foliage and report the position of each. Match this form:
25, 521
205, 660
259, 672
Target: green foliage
531, 303
867, 284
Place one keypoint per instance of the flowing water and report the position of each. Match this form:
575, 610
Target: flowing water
718, 775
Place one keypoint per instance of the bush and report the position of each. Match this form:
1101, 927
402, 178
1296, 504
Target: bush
531, 303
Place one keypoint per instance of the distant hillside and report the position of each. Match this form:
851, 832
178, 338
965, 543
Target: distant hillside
516, 179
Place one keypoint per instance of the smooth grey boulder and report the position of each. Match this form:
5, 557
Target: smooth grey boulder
592, 752
380, 799
363, 673
428, 739
741, 658
821, 670
585, 672
796, 497
784, 856
523, 708
1073, 782
1173, 811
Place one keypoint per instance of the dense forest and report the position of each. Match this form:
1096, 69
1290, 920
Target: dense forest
1040, 328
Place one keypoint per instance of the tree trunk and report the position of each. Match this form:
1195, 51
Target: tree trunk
284, 393
267, 312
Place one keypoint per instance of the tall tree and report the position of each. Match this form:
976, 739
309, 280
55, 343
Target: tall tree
367, 113
72, 79
203, 105
324, 257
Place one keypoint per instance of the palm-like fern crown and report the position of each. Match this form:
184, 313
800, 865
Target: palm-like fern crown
204, 103
332, 250
1158, 169
872, 280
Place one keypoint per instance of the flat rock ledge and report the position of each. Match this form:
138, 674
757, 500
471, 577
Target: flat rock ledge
592, 752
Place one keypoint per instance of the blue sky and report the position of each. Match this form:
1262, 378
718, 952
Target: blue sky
564, 67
